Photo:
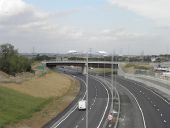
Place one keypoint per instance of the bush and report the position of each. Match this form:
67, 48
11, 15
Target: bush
11, 62
138, 66
43, 57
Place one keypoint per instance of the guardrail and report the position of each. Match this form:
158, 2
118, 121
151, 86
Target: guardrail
108, 83
68, 61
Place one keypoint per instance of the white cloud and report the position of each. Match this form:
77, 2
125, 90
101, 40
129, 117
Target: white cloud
20, 18
11, 7
156, 10
114, 35
16, 16
27, 27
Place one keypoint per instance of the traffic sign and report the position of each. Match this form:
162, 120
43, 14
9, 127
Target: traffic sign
110, 117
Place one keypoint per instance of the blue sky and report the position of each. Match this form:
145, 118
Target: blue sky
107, 25
94, 13
61, 5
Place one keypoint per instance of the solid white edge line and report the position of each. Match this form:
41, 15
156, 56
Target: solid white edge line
55, 125
137, 104
109, 83
131, 80
107, 102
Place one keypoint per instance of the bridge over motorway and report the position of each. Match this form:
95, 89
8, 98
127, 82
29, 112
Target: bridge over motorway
82, 64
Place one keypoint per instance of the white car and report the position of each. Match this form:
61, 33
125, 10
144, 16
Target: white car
82, 105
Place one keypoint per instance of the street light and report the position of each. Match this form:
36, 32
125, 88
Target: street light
102, 53
87, 81
104, 65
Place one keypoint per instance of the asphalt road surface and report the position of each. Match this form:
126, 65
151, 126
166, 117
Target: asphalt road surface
155, 108
99, 103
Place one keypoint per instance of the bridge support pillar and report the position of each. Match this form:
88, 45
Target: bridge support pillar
84, 70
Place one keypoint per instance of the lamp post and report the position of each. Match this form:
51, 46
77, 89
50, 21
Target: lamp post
98, 60
104, 65
102, 53
87, 80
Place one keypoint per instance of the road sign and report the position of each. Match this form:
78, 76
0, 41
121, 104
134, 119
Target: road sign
110, 117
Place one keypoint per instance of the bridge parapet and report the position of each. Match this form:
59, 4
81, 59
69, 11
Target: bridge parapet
95, 64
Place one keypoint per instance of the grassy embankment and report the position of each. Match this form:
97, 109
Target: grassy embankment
132, 68
34, 102
101, 70
15, 106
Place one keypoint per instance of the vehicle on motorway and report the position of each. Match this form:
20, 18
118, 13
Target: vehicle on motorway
82, 105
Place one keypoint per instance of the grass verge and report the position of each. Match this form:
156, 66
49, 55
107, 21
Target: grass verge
60, 89
34, 102
102, 70
15, 106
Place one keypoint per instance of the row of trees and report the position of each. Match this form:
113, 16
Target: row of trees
39, 57
11, 62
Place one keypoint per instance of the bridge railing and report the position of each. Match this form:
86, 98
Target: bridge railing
79, 61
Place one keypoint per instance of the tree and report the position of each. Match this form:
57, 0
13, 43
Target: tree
11, 62
7, 50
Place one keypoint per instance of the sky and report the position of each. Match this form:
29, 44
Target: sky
125, 27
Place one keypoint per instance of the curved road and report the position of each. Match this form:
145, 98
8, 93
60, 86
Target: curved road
156, 109
99, 103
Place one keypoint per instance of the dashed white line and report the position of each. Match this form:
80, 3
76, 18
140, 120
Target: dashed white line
137, 104
107, 102
164, 121
152, 92
152, 101
55, 125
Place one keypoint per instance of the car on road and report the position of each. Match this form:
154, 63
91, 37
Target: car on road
82, 105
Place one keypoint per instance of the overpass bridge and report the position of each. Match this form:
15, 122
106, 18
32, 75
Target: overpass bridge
82, 64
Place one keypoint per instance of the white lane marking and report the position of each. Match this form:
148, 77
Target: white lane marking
161, 114
93, 102
55, 125
108, 84
162, 98
137, 104
107, 102
151, 91
94, 97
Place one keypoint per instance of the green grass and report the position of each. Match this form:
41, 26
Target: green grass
15, 106
101, 70
138, 66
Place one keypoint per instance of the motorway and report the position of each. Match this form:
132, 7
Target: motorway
99, 103
154, 108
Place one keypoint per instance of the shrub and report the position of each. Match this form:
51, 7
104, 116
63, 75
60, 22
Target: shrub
11, 62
